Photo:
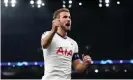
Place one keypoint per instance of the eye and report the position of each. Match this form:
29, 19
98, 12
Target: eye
65, 17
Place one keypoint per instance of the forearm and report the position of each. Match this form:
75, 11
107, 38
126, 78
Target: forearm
81, 67
47, 40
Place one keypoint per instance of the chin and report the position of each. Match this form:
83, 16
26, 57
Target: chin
68, 29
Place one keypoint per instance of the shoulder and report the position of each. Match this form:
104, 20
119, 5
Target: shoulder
45, 32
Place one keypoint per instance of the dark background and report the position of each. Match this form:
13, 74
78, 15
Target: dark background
107, 31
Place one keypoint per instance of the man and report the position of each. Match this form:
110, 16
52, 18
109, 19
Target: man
59, 50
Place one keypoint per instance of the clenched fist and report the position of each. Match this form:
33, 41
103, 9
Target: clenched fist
55, 24
86, 60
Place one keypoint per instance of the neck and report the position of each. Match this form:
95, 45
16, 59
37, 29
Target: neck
61, 32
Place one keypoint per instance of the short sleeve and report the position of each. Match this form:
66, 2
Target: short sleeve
44, 34
76, 48
75, 55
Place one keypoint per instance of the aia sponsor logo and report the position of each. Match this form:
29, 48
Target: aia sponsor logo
65, 52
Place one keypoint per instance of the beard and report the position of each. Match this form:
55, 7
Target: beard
65, 27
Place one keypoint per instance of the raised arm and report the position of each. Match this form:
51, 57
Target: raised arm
45, 41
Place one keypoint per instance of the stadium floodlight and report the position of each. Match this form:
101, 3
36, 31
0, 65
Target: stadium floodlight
118, 2
39, 2
70, 1
107, 1
13, 1
43, 4
31, 2
13, 5
107, 5
63, 6
80, 3
100, 5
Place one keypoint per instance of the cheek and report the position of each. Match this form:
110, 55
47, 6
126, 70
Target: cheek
62, 22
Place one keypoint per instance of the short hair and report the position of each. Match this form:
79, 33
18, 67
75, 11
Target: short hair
57, 12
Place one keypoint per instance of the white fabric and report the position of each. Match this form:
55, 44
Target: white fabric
58, 66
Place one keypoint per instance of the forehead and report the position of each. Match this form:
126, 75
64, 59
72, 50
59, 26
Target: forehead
64, 14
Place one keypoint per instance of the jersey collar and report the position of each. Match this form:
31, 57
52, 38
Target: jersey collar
61, 36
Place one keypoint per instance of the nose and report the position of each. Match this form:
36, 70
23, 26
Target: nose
69, 19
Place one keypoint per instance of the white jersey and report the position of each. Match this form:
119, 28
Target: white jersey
58, 58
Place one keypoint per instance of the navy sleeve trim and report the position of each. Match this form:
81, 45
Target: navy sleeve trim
75, 56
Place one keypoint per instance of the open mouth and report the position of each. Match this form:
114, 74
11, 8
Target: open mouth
68, 24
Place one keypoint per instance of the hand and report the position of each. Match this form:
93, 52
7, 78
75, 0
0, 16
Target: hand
86, 60
55, 25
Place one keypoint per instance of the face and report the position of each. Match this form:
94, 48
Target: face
65, 21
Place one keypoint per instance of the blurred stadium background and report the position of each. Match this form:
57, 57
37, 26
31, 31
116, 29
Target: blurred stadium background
102, 29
